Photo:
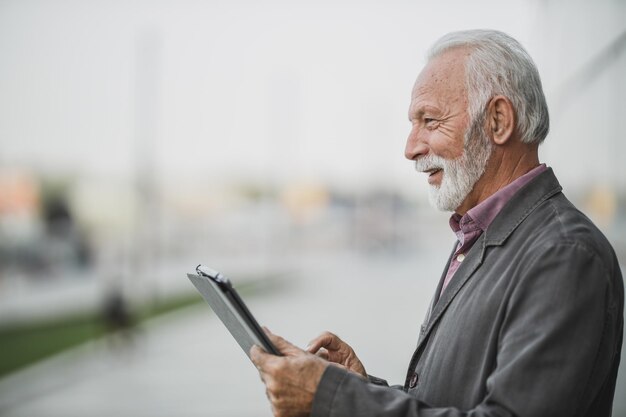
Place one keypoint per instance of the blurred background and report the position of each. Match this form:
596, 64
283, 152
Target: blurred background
264, 139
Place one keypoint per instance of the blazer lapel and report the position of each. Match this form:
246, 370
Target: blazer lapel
472, 261
512, 214
435, 298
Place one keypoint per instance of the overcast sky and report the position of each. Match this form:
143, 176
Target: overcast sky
274, 92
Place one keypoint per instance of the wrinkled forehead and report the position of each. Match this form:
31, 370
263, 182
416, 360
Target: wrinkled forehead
443, 74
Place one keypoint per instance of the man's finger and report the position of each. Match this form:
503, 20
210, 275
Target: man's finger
315, 344
266, 363
285, 347
326, 340
258, 357
322, 353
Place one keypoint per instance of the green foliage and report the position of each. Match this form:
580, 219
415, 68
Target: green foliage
23, 344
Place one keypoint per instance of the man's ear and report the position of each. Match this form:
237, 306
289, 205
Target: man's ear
500, 119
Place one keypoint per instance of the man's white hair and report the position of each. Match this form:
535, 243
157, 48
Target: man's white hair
498, 64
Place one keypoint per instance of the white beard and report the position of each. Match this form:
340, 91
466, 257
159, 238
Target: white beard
459, 175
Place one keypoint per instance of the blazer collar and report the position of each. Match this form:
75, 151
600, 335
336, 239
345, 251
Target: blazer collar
544, 186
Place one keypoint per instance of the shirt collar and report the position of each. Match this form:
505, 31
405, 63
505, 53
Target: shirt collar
481, 216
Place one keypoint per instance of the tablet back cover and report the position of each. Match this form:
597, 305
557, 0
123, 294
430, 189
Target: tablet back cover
228, 315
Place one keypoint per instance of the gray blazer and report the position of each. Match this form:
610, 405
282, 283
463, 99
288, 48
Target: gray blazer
530, 325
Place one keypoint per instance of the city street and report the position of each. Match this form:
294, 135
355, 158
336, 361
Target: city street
186, 364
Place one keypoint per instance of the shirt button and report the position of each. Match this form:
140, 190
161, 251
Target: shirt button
413, 382
460, 257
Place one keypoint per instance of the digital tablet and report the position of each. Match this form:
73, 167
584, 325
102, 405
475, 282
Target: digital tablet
219, 293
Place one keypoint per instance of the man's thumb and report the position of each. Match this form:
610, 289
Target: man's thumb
285, 347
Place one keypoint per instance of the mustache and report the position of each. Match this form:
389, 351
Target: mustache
430, 162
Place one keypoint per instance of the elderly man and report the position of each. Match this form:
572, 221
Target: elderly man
527, 319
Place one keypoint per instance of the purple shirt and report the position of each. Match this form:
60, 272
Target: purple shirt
469, 227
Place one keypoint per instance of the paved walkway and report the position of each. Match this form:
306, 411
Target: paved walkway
185, 364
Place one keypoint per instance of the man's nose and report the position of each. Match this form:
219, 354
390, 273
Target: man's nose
415, 146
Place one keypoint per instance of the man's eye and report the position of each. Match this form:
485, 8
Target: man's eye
429, 121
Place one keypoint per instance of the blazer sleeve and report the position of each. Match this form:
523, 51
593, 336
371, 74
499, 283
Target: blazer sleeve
558, 345
377, 381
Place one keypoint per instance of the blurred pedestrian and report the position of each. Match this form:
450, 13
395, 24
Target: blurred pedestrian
118, 319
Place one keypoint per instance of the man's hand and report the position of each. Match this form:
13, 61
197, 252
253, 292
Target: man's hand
291, 380
333, 349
